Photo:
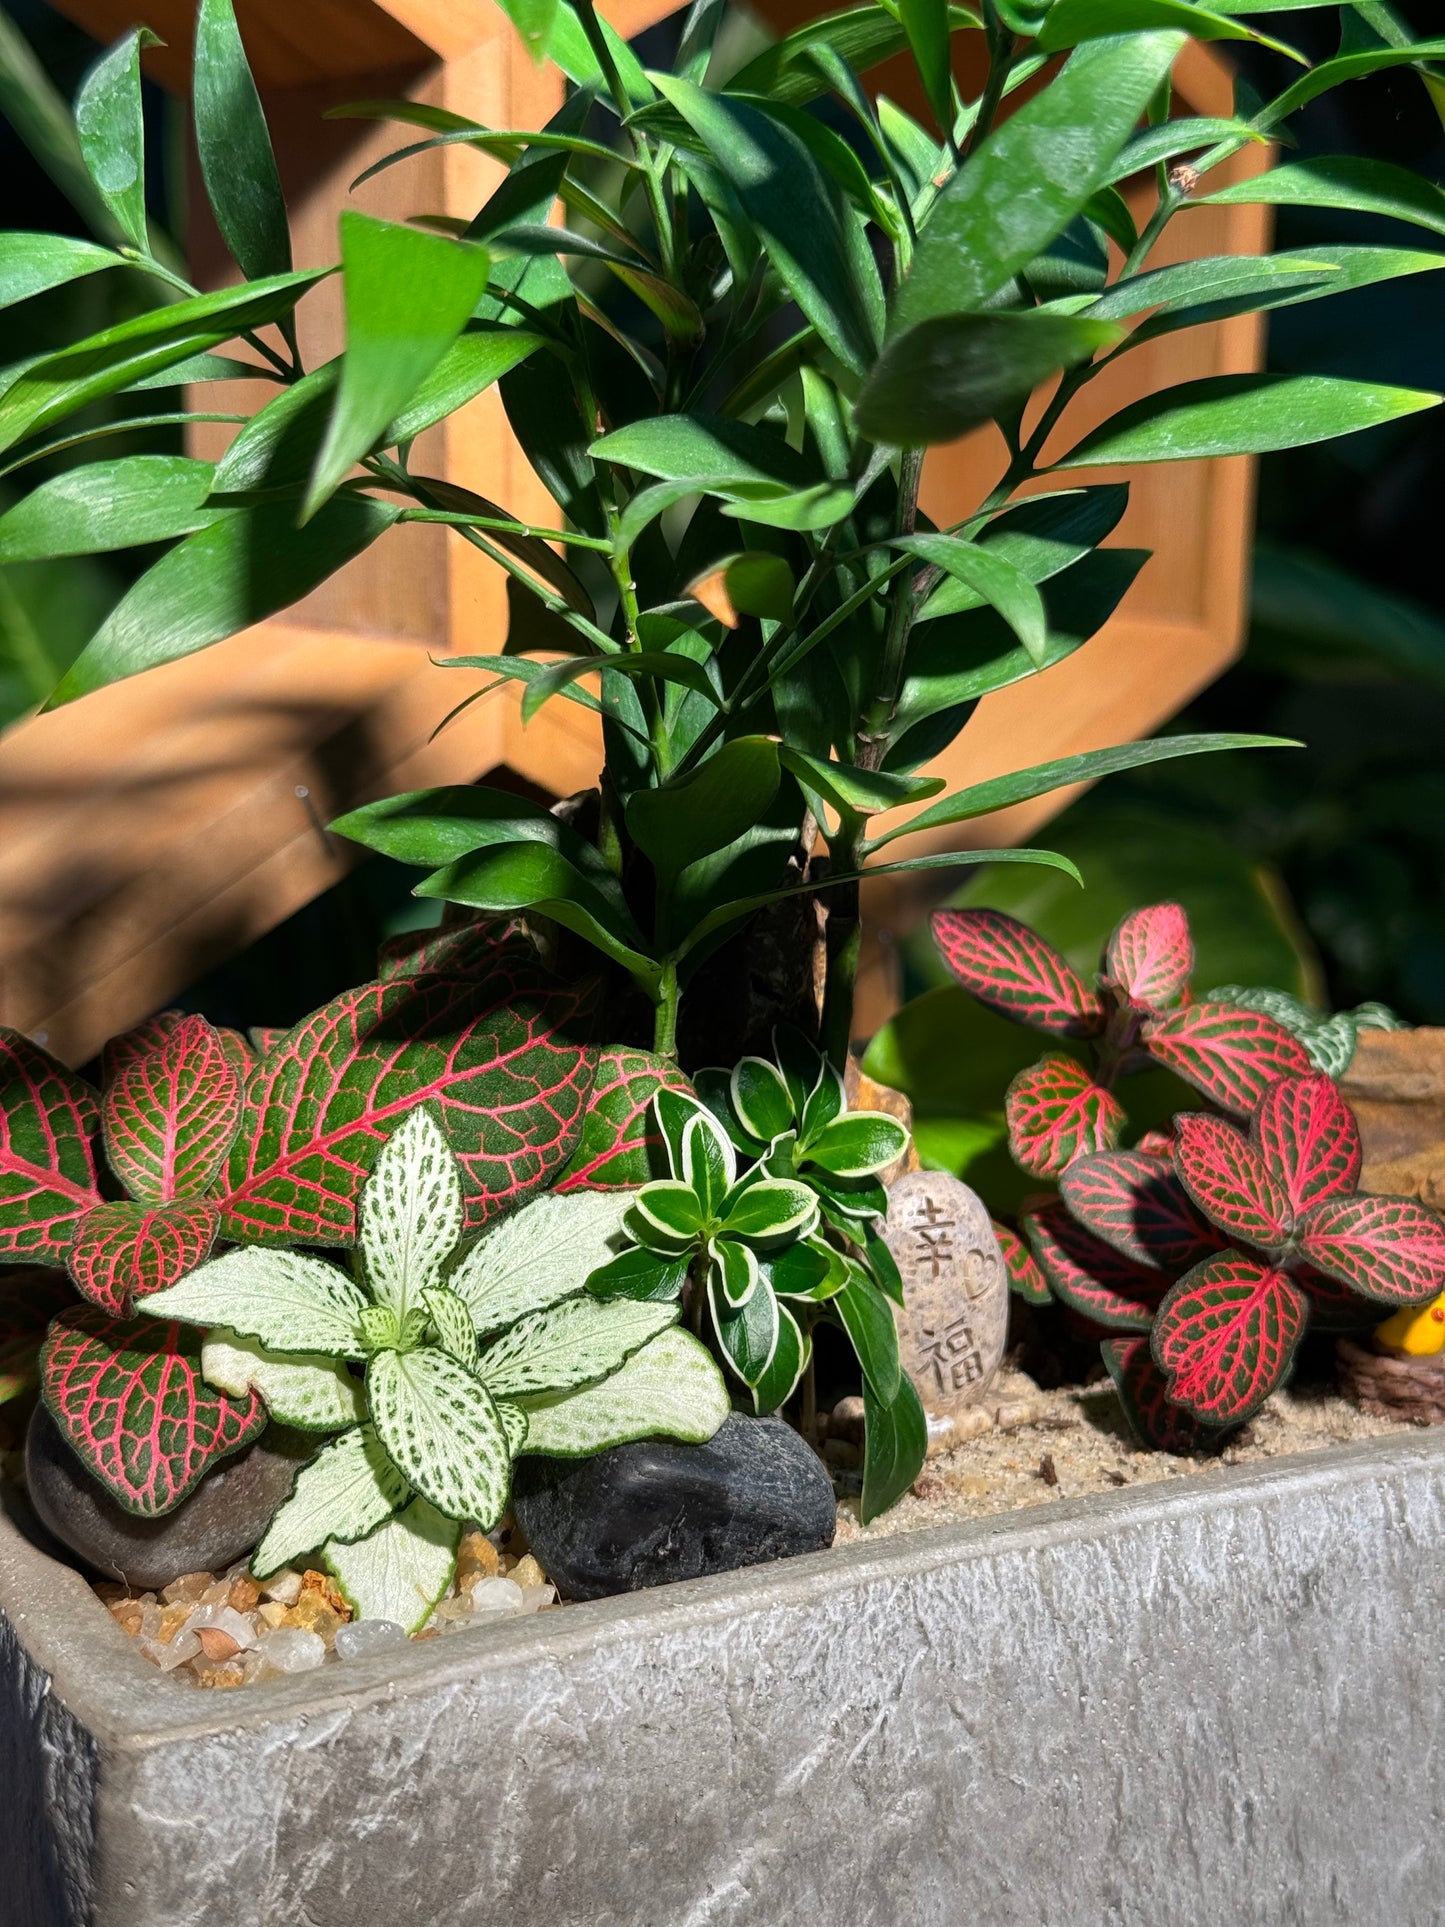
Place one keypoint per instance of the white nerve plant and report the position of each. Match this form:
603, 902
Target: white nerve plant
468, 1357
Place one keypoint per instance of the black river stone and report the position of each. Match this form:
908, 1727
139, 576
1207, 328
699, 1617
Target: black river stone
222, 1519
642, 1515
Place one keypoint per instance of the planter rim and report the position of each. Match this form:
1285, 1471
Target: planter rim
96, 1672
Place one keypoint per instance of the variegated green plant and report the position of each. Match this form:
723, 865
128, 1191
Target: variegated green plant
763, 1253
436, 1367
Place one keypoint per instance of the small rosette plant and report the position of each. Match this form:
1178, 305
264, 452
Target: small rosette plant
767, 1224
1137, 1011
435, 1367
1214, 1253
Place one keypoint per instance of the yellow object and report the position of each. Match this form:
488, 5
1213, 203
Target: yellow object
1418, 1329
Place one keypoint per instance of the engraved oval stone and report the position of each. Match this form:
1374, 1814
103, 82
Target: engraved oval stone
954, 1325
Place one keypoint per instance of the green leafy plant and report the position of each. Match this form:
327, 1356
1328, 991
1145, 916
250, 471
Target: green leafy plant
761, 1254
470, 1357
725, 363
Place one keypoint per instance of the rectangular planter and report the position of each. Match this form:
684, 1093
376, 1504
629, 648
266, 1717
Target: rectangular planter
1216, 1700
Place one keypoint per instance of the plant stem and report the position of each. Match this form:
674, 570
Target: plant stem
1000, 59
664, 1031
903, 607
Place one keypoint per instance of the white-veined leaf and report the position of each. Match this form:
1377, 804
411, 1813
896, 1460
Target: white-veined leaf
438, 1423
310, 1391
290, 1302
538, 1255
514, 1424
571, 1343
452, 1319
343, 1493
401, 1570
411, 1211
671, 1389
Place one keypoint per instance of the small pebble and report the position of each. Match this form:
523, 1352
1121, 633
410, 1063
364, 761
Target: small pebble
846, 1420
1009, 1416
284, 1587
244, 1594
272, 1612
216, 1645
187, 1590
527, 1573
1048, 1471
366, 1636
175, 1652
289, 1649
497, 1596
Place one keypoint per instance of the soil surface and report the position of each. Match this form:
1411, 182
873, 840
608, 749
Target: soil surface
1076, 1441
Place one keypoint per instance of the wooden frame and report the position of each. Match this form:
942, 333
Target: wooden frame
150, 830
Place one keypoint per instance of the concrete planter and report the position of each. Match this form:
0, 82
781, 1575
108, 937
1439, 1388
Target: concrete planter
1213, 1701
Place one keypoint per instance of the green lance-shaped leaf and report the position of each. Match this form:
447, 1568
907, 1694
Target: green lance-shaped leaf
116, 504
1242, 415
209, 586
809, 230
1068, 23
411, 1212
343, 1493
61, 383
401, 1570
1029, 179
993, 577
570, 1344
927, 25
861, 792
669, 1389
1345, 67
32, 263
949, 372
662, 665
705, 811
534, 21
867, 1317
535, 1257
528, 876
895, 1444
237, 163
408, 297
308, 1390
709, 452
112, 134
291, 1302
442, 1431
1344, 181
864, 36
981, 798
1041, 537
130, 1399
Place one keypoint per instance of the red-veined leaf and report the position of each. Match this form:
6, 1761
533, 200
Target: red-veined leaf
125, 1251
1024, 1276
1229, 1180
1158, 1143
1308, 1138
1135, 1203
242, 1051
621, 1145
129, 1397
1226, 1335
1143, 1391
170, 1114
503, 1054
47, 1151
1056, 1112
1231, 1054
30, 1296
414, 952
1151, 956
1389, 1249
1011, 969
1089, 1276
124, 1049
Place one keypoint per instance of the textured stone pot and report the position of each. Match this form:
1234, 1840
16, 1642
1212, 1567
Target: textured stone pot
1213, 1701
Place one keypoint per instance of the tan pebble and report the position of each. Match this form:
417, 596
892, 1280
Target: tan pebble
217, 1645
313, 1615
972, 1424
477, 1558
172, 1620
527, 1572
327, 1589
110, 1594
427, 1632
1009, 1416
127, 1615
273, 1612
187, 1589
846, 1419
283, 1586
928, 1485
243, 1595
231, 1673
